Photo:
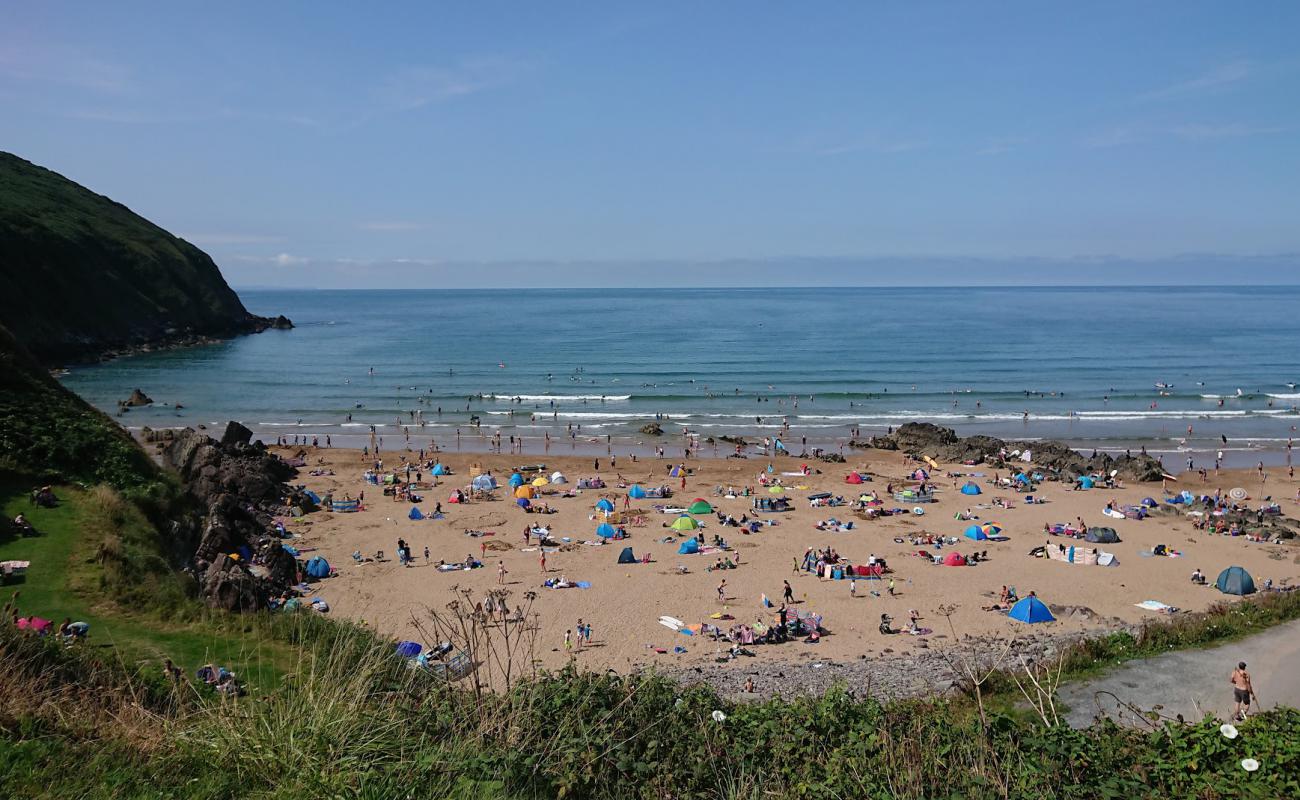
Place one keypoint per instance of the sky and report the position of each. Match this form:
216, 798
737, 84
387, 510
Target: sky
485, 144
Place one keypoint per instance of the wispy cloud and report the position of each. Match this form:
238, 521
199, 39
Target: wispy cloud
1201, 131
393, 226
54, 63
418, 86
286, 260
1217, 78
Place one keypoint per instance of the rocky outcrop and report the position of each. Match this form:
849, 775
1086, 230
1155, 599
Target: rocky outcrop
137, 398
652, 429
1056, 458
240, 489
281, 323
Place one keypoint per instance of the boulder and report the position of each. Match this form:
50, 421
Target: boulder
652, 429
230, 587
137, 398
236, 434
281, 323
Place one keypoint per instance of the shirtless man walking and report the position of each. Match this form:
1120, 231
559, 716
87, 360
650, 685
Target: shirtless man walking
1242, 691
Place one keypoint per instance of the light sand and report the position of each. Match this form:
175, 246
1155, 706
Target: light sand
625, 602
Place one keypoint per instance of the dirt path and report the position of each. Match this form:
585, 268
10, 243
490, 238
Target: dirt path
1194, 682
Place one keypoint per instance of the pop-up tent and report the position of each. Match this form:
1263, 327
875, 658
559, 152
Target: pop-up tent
853, 478
689, 547
415, 513
605, 531
603, 504
700, 506
525, 492
558, 477
438, 469
971, 489
636, 492
685, 523
976, 532
626, 556
540, 482
523, 502
1235, 580
1101, 536
1086, 482
409, 649
516, 480
318, 568
954, 560
484, 483
1031, 610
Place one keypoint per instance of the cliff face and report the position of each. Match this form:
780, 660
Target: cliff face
83, 275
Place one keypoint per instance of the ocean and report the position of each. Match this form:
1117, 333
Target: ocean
1107, 368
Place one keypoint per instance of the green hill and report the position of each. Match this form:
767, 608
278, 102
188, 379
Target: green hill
84, 275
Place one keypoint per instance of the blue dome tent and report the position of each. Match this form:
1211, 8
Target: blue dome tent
604, 505
415, 513
516, 480
688, 548
438, 469
636, 492
523, 502
1235, 580
626, 557
605, 531
484, 483
318, 568
1086, 482
976, 532
1031, 610
971, 489
409, 649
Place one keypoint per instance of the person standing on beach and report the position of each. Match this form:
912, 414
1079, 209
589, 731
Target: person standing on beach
788, 593
501, 572
722, 591
1242, 691
543, 560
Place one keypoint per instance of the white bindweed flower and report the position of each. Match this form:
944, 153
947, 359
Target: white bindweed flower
1249, 764
718, 716
1229, 731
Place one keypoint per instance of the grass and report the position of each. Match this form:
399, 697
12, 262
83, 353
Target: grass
67, 579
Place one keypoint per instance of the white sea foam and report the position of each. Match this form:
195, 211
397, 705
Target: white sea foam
559, 398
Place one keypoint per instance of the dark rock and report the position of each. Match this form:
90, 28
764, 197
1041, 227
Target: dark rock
230, 587
138, 398
281, 323
652, 429
236, 434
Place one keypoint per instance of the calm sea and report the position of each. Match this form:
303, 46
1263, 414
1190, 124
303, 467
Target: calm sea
1084, 365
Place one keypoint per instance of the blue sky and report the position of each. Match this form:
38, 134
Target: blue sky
478, 143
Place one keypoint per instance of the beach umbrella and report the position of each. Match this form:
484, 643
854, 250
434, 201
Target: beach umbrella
523, 502
1031, 610
605, 531
1238, 493
685, 523
700, 506
636, 492
975, 532
603, 504
516, 480
540, 482
992, 529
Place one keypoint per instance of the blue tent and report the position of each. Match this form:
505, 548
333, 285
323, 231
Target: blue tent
312, 496
290, 549
438, 469
1086, 482
523, 502
604, 504
626, 557
1031, 610
1149, 502
318, 568
689, 547
516, 480
1021, 478
1235, 580
604, 530
971, 489
636, 492
415, 513
408, 649
484, 483
976, 532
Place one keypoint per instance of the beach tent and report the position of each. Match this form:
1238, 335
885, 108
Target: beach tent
776, 489
636, 492
954, 560
626, 557
688, 548
558, 477
1101, 536
971, 489
676, 471
605, 531
516, 480
853, 478
976, 532
1149, 502
1086, 482
700, 506
318, 568
438, 469
312, 496
1235, 580
526, 492
991, 529
484, 483
523, 502
408, 649
540, 482
920, 475
1031, 610
415, 513
685, 523
603, 504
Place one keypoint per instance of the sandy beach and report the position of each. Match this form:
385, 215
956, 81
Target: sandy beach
625, 601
